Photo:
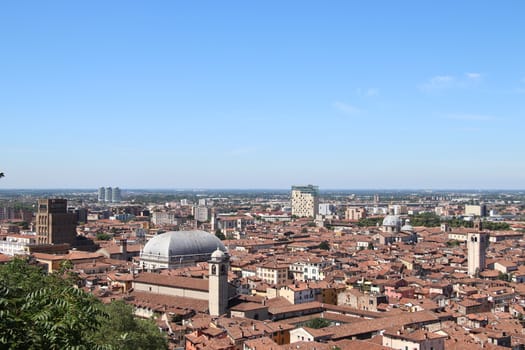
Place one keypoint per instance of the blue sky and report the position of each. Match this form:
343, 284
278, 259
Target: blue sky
262, 94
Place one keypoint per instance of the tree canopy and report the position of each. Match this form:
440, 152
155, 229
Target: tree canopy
220, 235
324, 245
425, 219
47, 311
318, 323
370, 221
125, 332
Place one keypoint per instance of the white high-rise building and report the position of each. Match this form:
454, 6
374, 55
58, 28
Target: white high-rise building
109, 194
101, 194
305, 201
201, 213
116, 196
326, 209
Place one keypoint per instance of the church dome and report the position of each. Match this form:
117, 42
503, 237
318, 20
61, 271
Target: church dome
218, 254
180, 247
407, 226
392, 221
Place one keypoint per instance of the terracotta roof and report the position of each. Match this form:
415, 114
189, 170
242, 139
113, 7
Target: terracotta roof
172, 281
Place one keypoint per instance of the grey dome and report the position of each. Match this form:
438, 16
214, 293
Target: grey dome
182, 243
392, 221
407, 226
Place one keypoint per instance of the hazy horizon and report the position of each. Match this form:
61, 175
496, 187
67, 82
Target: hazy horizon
272, 189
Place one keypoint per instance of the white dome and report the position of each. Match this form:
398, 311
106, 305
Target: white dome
218, 254
407, 226
392, 221
181, 246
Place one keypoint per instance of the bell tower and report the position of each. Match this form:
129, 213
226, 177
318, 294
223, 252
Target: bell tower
477, 244
218, 283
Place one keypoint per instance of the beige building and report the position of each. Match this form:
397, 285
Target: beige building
417, 340
305, 201
54, 225
476, 210
361, 301
273, 273
298, 293
355, 213
216, 291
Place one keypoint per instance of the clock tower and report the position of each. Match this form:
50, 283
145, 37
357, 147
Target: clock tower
218, 283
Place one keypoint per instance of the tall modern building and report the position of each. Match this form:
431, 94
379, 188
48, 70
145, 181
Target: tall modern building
101, 194
108, 195
116, 196
305, 201
201, 213
477, 244
54, 224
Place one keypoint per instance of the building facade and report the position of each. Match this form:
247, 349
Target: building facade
116, 196
305, 201
476, 210
108, 196
477, 244
54, 225
355, 213
218, 283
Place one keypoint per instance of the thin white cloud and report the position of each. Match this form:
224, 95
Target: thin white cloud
367, 92
473, 76
441, 82
470, 117
346, 108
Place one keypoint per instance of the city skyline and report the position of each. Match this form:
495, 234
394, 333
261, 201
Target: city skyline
237, 95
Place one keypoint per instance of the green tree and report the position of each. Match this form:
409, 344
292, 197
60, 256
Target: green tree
318, 323
425, 219
369, 221
122, 331
453, 243
41, 311
494, 226
324, 245
220, 235
101, 236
